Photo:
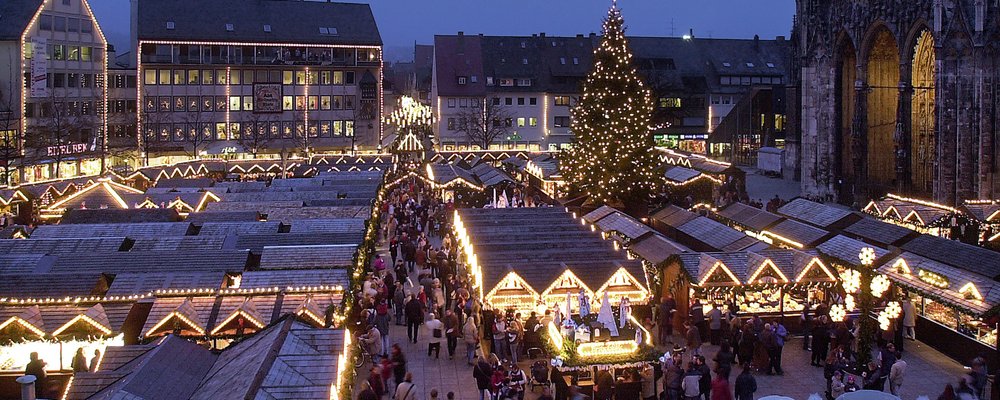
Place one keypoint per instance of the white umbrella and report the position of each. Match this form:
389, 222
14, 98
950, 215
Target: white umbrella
867, 395
775, 397
606, 317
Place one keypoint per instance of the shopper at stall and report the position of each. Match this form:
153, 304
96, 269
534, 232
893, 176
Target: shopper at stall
820, 341
693, 338
909, 319
715, 325
896, 374
696, 317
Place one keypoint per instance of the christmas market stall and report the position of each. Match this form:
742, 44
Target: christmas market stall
682, 182
987, 214
819, 215
923, 216
954, 287
775, 283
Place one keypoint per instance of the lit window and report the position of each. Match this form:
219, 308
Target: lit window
770, 65
286, 77
451, 103
520, 122
562, 60
749, 65
247, 103
533, 121
473, 79
234, 103
338, 77
561, 100
524, 61
286, 103
461, 80
670, 102
727, 65
325, 102
576, 61
229, 27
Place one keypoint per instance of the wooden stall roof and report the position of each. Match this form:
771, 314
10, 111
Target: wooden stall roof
656, 248
283, 279
238, 228
317, 212
540, 244
301, 196
678, 175
240, 187
327, 225
748, 266
845, 250
111, 315
60, 246
209, 312
880, 233
38, 286
624, 225
489, 175
223, 216
817, 214
960, 255
918, 212
179, 243
256, 243
708, 233
12, 264
288, 360
600, 212
749, 216
119, 216
307, 256
128, 283
183, 183
134, 230
259, 206
805, 235
983, 211
955, 292
152, 261
673, 216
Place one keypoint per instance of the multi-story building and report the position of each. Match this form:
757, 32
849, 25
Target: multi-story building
52, 90
123, 142
261, 78
535, 81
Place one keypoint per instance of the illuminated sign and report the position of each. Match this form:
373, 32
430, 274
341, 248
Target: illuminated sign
932, 278
65, 149
39, 67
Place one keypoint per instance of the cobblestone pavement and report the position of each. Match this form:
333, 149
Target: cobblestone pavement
927, 373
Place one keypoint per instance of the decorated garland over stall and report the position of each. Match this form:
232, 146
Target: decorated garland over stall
568, 356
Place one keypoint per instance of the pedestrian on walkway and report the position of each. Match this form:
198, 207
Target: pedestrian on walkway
406, 389
780, 336
382, 322
820, 341
483, 373
375, 381
471, 335
414, 317
720, 387
515, 336
896, 374
746, 385
665, 320
690, 383
500, 336
693, 339
673, 374
435, 330
705, 384
398, 364
367, 393
399, 303
452, 331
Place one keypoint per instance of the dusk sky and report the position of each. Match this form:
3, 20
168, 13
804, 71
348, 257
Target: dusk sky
402, 22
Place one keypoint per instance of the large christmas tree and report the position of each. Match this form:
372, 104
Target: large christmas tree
612, 158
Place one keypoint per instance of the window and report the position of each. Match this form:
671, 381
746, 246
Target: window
348, 128
58, 80
716, 99
179, 104
170, 25
349, 102
533, 101
506, 82
248, 77
770, 65
561, 100
286, 77
749, 65
300, 77
73, 25
524, 82
533, 121
509, 101
520, 122
325, 102
178, 77
338, 77
220, 77
73, 54
496, 101
247, 103
149, 77
45, 23
670, 102
72, 80
451, 103
286, 103
86, 53
576, 61
338, 128
473, 79
207, 77
193, 104
524, 61
338, 102
221, 103
324, 77
60, 25
561, 122
207, 104
229, 27
562, 60
86, 26
461, 80
193, 78
520, 101
463, 103
267, 28
489, 81
313, 102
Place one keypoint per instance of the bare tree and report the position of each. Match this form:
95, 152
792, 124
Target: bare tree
256, 132
483, 125
10, 138
63, 128
152, 119
197, 125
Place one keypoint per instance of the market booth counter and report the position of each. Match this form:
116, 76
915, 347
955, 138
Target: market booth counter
774, 283
955, 306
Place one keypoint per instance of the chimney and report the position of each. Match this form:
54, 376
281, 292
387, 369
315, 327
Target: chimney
112, 55
592, 34
779, 38
542, 34
27, 387
756, 42
460, 33
691, 33
579, 35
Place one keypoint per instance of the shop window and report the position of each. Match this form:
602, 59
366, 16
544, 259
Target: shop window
561, 100
338, 77
670, 102
247, 103
338, 102
325, 102
234, 103
286, 77
532, 121
561, 122
286, 103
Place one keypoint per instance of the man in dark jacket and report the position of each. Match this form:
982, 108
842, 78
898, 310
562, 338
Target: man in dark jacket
696, 316
452, 331
673, 374
414, 317
36, 367
483, 373
605, 389
705, 384
820, 341
872, 379
746, 385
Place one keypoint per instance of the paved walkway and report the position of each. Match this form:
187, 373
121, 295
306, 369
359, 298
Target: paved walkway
927, 373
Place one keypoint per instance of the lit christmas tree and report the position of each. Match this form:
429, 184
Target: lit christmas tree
612, 158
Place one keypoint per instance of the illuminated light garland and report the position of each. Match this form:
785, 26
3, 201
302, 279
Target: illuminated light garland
253, 320
921, 202
970, 291
716, 266
893, 309
174, 314
817, 262
27, 325
765, 264
69, 385
883, 320
782, 239
902, 267
622, 278
343, 368
849, 303
932, 278
105, 330
555, 335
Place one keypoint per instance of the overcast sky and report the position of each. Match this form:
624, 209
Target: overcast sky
403, 22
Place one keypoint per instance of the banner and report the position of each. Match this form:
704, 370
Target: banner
39, 67
266, 98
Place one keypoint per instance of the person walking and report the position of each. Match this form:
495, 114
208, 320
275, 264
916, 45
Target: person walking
720, 387
820, 341
399, 302
746, 385
435, 329
483, 373
780, 336
452, 331
398, 364
673, 374
690, 383
414, 317
406, 389
896, 374
705, 384
693, 339
665, 320
471, 335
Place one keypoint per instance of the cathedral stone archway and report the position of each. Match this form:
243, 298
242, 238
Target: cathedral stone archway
922, 114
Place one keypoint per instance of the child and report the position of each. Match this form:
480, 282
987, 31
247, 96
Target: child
837, 385
851, 386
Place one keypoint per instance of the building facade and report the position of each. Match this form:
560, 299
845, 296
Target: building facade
899, 96
256, 79
52, 90
533, 81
